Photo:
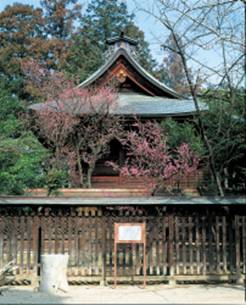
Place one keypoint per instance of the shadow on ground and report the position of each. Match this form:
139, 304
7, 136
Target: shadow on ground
29, 295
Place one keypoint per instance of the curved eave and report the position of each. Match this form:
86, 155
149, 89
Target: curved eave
121, 51
142, 106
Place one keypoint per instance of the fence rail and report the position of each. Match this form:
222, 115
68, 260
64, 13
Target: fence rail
182, 242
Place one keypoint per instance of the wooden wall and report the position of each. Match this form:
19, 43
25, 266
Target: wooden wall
183, 243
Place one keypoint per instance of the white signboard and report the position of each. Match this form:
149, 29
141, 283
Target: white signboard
130, 233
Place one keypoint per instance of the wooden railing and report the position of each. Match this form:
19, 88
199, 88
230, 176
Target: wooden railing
183, 243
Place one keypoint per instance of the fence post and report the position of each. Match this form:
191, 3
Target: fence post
237, 249
170, 249
104, 232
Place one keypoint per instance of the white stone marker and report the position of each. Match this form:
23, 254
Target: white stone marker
53, 273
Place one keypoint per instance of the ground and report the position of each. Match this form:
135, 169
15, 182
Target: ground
162, 294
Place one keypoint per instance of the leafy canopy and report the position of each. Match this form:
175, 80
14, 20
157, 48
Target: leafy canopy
21, 155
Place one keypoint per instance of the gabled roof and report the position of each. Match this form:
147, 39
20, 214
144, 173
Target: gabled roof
140, 93
165, 90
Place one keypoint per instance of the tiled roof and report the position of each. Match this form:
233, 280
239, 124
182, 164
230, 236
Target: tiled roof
136, 104
129, 104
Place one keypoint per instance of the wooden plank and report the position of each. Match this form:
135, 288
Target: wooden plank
204, 248
22, 240
155, 246
76, 244
63, 233
232, 251
198, 244
1, 241
244, 242
104, 225
15, 238
224, 244
111, 244
190, 219
159, 279
184, 251
177, 244
150, 247
237, 245
35, 243
29, 242
97, 262
90, 243
40, 245
70, 247
50, 232
82, 229
217, 242
158, 245
56, 233
210, 245
170, 245
161, 244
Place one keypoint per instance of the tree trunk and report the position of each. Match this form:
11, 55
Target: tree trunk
81, 176
89, 175
199, 116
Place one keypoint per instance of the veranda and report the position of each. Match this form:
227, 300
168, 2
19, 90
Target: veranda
188, 240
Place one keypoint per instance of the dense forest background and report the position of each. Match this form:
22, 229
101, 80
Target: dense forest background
59, 37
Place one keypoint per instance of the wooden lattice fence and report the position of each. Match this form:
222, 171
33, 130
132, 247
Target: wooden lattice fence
183, 243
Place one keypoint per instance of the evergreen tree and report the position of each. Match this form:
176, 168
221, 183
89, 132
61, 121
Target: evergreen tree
21, 155
60, 19
104, 19
61, 16
21, 37
144, 56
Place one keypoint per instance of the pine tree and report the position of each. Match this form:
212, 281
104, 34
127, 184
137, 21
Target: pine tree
144, 56
104, 19
61, 16
21, 37
60, 19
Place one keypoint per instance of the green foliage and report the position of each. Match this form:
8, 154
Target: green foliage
59, 37
143, 52
60, 17
55, 179
103, 20
178, 133
225, 127
21, 155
